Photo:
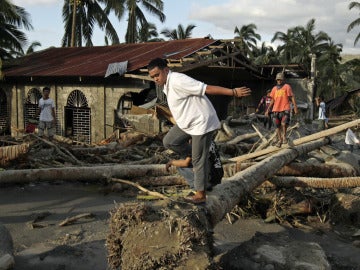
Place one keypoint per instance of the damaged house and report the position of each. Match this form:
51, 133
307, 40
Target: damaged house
100, 90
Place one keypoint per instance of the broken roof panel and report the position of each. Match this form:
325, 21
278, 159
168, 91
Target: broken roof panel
94, 61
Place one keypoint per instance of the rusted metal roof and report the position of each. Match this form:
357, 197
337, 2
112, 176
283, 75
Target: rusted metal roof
94, 61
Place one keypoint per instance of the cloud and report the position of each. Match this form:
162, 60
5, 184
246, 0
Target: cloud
331, 16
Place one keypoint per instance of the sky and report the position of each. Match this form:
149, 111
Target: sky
215, 17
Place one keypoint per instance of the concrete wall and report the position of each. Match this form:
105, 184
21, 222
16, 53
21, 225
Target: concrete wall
102, 101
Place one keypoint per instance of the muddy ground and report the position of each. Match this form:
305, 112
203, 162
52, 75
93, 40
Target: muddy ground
32, 213
81, 245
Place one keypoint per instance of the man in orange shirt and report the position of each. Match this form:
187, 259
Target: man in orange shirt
282, 95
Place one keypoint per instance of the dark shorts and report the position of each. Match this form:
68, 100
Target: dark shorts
281, 118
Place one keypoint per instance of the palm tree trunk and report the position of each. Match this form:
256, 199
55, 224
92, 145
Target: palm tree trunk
314, 182
225, 196
321, 134
73, 25
181, 232
83, 173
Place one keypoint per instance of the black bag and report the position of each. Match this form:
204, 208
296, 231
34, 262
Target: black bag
216, 168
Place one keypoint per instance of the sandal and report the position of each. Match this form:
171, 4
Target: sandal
278, 144
195, 200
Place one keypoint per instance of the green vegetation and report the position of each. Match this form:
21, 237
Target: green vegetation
336, 73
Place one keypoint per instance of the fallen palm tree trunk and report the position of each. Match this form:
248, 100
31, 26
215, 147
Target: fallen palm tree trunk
12, 152
300, 169
321, 134
85, 173
293, 181
177, 235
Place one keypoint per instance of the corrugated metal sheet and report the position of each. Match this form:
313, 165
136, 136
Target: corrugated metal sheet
94, 61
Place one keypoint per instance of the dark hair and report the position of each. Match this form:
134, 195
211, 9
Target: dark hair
157, 62
321, 97
46, 88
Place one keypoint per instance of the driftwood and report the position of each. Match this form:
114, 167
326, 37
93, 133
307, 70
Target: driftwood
321, 134
185, 230
149, 192
71, 220
293, 181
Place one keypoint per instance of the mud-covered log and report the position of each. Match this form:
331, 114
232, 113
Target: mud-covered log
85, 173
316, 182
176, 234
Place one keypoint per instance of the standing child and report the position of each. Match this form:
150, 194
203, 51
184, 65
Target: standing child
47, 120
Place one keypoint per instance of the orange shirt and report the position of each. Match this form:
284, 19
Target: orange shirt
281, 98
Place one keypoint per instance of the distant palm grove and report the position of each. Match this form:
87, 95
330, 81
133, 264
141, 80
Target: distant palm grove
297, 45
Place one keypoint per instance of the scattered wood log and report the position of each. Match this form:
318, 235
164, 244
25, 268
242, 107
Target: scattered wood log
61, 151
12, 152
83, 173
185, 231
315, 182
300, 169
321, 134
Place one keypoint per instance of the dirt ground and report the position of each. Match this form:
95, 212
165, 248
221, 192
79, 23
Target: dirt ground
32, 214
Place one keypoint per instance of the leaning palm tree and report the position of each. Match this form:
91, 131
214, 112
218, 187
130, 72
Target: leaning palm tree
247, 38
12, 18
356, 22
80, 17
179, 33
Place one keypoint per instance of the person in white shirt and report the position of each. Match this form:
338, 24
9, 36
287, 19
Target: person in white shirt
47, 120
351, 139
195, 117
322, 112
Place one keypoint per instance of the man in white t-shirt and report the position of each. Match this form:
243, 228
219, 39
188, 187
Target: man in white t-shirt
195, 118
47, 120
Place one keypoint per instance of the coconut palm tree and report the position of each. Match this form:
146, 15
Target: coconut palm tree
179, 33
12, 18
148, 33
265, 55
136, 18
247, 38
329, 80
356, 22
80, 17
300, 42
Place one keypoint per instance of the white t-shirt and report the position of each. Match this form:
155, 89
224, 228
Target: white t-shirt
322, 110
350, 137
190, 107
46, 106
